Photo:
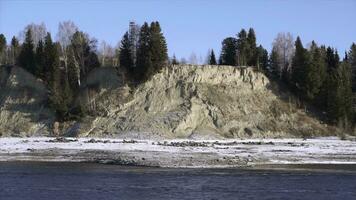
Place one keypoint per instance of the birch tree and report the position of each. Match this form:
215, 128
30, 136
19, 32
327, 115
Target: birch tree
2, 49
106, 53
65, 33
283, 46
38, 32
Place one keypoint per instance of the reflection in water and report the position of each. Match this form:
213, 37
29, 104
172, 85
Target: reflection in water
52, 181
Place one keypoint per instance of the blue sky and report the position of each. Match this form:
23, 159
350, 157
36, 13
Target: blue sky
192, 25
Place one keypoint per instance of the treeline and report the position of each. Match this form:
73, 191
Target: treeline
316, 75
143, 51
63, 65
243, 51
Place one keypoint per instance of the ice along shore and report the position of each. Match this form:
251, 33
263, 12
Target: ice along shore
181, 153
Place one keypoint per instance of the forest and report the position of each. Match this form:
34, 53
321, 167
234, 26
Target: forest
318, 77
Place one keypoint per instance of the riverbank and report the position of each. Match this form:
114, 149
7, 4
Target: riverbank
181, 153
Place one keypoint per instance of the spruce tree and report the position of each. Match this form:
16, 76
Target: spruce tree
262, 59
61, 95
144, 59
15, 50
352, 61
273, 64
321, 99
332, 60
158, 47
2, 49
40, 64
315, 73
174, 60
49, 60
300, 62
346, 87
73, 70
242, 48
339, 99
251, 53
126, 61
228, 52
26, 58
212, 59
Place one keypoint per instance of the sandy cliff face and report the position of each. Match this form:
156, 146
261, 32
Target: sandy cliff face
179, 102
199, 102
22, 104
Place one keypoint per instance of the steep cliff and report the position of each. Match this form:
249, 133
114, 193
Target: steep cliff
199, 102
179, 102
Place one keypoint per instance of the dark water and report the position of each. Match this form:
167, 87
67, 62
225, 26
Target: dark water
52, 181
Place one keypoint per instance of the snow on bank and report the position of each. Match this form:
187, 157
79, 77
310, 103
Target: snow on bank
182, 153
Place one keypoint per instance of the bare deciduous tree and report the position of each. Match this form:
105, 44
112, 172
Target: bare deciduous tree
38, 31
65, 33
107, 53
283, 45
193, 59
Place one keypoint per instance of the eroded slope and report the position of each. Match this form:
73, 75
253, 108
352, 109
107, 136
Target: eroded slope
201, 102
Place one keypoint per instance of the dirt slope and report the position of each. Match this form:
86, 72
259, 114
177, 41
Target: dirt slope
198, 102
22, 104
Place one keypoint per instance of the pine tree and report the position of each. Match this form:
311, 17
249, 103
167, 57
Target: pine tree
2, 49
27, 56
126, 61
228, 52
144, 58
212, 59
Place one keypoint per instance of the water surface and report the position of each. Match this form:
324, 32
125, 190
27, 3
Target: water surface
34, 180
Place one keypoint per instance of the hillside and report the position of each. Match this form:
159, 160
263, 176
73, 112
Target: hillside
179, 102
22, 104
200, 102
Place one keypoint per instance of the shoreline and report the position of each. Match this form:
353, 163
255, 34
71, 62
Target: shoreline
232, 153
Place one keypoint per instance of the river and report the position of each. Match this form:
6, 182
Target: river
52, 181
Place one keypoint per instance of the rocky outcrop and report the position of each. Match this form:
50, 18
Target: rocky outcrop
23, 100
201, 102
